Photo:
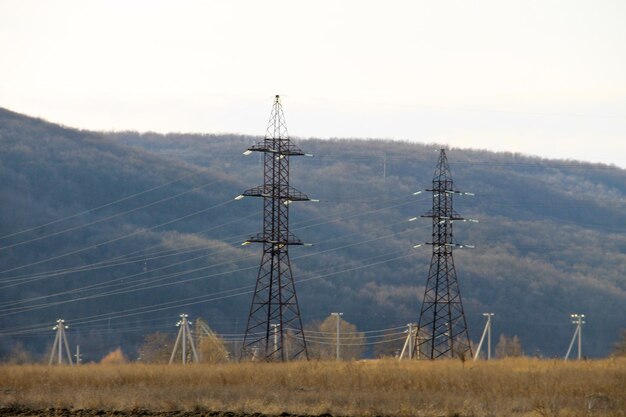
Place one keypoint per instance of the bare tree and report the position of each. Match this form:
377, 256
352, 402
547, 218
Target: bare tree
18, 355
619, 349
508, 347
157, 348
322, 339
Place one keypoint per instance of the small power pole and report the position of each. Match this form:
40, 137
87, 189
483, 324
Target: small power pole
409, 343
486, 332
60, 344
78, 357
275, 326
578, 320
338, 315
184, 337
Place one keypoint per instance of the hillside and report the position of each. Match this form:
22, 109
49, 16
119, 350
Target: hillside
151, 230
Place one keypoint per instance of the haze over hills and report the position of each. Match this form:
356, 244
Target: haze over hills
149, 229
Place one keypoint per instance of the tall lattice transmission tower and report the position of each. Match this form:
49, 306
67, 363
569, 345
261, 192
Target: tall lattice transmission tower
442, 324
275, 304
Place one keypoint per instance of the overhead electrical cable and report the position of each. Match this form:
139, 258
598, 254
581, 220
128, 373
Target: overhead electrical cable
105, 264
99, 207
120, 280
104, 219
199, 299
108, 263
100, 265
142, 230
136, 286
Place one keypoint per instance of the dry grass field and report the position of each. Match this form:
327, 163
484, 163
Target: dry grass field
514, 387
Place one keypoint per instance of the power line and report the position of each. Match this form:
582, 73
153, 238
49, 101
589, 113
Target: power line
39, 277
416, 160
120, 280
140, 286
128, 256
99, 207
220, 295
106, 264
331, 334
133, 288
113, 216
117, 238
210, 266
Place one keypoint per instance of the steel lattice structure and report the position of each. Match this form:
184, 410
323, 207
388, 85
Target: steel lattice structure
442, 326
274, 330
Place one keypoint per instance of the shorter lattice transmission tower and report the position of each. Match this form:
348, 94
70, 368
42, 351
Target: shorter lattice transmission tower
60, 344
442, 319
184, 337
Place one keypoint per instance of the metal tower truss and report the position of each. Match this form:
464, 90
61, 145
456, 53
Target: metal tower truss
442, 319
275, 304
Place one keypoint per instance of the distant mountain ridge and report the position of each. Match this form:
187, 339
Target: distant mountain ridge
550, 242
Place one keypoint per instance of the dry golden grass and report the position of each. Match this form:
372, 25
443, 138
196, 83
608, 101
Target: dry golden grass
515, 387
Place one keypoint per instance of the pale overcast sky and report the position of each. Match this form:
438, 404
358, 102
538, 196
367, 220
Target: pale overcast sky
542, 77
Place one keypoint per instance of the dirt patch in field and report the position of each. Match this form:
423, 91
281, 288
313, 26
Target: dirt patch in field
63, 412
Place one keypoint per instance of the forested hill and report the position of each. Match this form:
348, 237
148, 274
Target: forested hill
118, 233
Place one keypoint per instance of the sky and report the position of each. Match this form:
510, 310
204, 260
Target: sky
544, 78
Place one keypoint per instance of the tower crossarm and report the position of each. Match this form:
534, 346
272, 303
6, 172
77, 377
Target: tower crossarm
268, 146
289, 194
453, 217
443, 188
267, 238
